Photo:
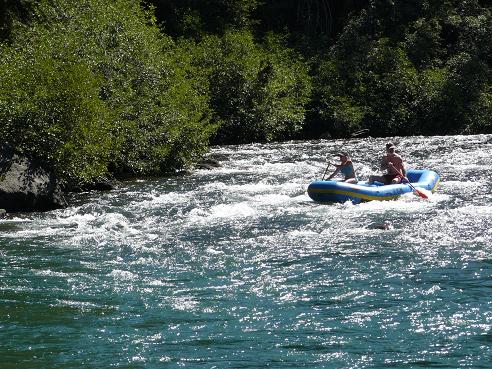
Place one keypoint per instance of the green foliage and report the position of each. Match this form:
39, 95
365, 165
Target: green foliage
379, 95
481, 113
51, 109
419, 67
335, 105
390, 89
11, 12
192, 19
258, 91
93, 86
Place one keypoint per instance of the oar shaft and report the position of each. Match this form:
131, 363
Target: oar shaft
400, 174
326, 170
408, 182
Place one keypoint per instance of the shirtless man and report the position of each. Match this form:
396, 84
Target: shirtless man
392, 163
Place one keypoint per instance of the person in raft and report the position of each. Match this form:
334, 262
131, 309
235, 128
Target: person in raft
392, 163
346, 167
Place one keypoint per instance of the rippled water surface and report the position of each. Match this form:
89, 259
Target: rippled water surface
237, 268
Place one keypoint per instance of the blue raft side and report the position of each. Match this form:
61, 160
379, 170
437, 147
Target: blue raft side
335, 191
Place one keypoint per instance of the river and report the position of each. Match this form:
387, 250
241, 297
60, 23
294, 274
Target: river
236, 267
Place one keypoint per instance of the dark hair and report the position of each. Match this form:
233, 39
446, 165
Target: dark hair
389, 144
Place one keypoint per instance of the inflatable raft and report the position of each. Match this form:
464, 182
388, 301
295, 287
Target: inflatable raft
335, 191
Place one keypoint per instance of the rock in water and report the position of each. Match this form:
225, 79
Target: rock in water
384, 226
25, 185
208, 163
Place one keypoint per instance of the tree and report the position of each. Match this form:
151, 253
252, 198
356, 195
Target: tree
258, 92
91, 87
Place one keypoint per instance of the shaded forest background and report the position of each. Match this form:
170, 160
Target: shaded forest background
97, 88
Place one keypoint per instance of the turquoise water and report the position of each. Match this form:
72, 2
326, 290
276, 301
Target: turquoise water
237, 268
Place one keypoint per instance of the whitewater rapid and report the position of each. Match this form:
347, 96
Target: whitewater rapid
237, 267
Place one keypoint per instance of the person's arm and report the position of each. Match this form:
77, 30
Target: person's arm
400, 167
334, 173
384, 163
353, 168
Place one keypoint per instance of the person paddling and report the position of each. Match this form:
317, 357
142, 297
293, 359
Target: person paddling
392, 163
346, 167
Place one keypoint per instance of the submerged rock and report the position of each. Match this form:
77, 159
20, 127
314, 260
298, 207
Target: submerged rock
25, 185
383, 226
100, 184
208, 163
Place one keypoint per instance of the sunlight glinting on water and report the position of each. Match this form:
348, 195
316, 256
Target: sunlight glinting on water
237, 267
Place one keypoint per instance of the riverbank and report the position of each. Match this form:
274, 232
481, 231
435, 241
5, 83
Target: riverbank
26, 185
120, 92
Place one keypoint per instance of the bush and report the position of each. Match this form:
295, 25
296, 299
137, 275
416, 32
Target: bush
422, 69
258, 91
379, 96
51, 109
104, 89
335, 103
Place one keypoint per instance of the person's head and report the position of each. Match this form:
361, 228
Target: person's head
390, 148
343, 156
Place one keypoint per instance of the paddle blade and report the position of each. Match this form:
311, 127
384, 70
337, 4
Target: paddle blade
424, 194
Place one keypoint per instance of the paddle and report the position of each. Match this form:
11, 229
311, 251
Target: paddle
326, 170
416, 190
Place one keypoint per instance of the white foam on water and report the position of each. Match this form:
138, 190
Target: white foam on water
303, 233
50, 273
159, 283
123, 275
279, 168
461, 185
159, 199
239, 210
214, 186
250, 188
17, 220
35, 231
73, 225
84, 305
435, 288
184, 303
107, 226
272, 200
222, 211
214, 251
407, 203
346, 296
439, 197
473, 210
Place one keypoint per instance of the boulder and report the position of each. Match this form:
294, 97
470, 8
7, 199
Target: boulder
99, 184
208, 163
25, 185
385, 226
